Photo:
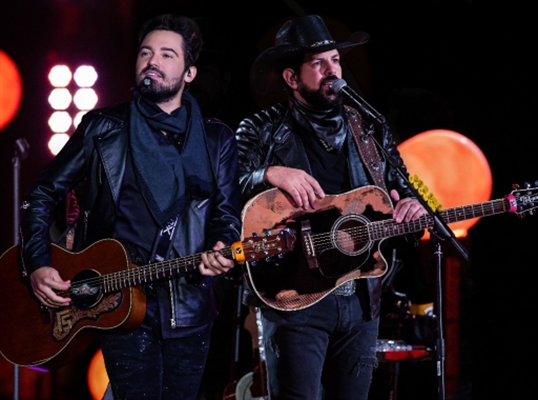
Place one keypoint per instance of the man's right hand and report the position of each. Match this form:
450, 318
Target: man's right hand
302, 188
46, 282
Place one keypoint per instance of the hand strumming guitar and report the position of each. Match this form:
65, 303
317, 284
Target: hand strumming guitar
45, 282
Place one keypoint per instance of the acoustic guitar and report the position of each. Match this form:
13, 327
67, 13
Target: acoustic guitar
343, 239
106, 295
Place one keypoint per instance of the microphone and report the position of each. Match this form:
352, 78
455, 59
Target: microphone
340, 85
146, 82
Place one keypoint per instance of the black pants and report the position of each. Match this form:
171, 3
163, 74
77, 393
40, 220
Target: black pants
143, 365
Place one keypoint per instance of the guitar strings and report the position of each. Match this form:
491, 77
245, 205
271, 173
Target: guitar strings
378, 230
148, 273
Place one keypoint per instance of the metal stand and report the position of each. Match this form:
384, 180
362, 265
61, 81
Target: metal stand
440, 230
440, 343
20, 153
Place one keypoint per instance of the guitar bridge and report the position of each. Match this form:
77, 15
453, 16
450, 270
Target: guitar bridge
308, 245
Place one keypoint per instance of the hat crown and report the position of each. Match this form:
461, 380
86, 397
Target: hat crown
308, 32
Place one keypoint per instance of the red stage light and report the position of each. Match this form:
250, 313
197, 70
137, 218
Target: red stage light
452, 167
10, 89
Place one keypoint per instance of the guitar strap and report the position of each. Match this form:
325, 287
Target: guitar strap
161, 250
163, 241
366, 147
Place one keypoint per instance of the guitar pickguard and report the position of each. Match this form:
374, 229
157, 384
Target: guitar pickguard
66, 318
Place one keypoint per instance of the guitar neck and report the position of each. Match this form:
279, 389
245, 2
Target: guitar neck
390, 228
156, 271
253, 248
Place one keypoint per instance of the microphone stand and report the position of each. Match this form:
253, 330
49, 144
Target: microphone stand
21, 152
439, 232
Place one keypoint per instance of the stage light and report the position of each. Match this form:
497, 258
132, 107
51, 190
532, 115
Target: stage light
85, 99
10, 90
60, 99
60, 122
57, 142
97, 377
85, 76
73, 95
453, 168
78, 118
60, 76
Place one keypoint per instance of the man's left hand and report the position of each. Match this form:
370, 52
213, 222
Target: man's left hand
407, 209
213, 263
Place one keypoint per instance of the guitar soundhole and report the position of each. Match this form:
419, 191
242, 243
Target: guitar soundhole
349, 235
86, 289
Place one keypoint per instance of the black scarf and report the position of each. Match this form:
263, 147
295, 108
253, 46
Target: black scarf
329, 126
168, 190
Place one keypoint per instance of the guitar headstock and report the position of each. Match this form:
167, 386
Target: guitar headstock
273, 243
523, 200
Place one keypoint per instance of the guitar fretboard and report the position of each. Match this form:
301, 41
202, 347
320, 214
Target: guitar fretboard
389, 228
154, 272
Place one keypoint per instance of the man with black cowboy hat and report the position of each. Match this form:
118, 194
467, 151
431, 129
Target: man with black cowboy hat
306, 147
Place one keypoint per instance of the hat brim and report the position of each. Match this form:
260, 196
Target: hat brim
266, 79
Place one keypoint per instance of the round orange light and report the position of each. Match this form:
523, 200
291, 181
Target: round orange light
10, 89
97, 376
453, 168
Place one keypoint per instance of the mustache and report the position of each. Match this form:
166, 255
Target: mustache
327, 80
150, 68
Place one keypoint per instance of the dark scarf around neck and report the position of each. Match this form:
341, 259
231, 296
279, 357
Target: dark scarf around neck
327, 125
167, 190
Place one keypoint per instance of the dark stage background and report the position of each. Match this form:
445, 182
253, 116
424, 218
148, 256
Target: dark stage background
456, 65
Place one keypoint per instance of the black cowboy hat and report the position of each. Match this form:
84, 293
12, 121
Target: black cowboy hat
307, 34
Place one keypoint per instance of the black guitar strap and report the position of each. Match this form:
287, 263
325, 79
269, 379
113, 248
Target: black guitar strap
163, 241
161, 250
366, 147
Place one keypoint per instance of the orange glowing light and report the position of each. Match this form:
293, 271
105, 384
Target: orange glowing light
452, 167
97, 377
10, 90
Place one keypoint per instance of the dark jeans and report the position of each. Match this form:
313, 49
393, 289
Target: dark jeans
327, 343
142, 365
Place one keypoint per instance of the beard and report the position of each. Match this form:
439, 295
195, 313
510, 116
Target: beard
317, 98
160, 92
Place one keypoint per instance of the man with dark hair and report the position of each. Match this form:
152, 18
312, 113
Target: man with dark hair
307, 147
162, 181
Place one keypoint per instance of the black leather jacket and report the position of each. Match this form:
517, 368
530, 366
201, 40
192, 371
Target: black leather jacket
267, 138
96, 155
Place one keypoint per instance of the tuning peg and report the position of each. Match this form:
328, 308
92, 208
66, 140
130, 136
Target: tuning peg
268, 259
515, 186
267, 232
527, 185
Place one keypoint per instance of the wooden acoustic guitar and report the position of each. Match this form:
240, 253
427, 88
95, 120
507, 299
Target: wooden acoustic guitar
106, 295
343, 239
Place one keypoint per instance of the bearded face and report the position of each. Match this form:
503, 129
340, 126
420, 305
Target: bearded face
160, 91
321, 98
